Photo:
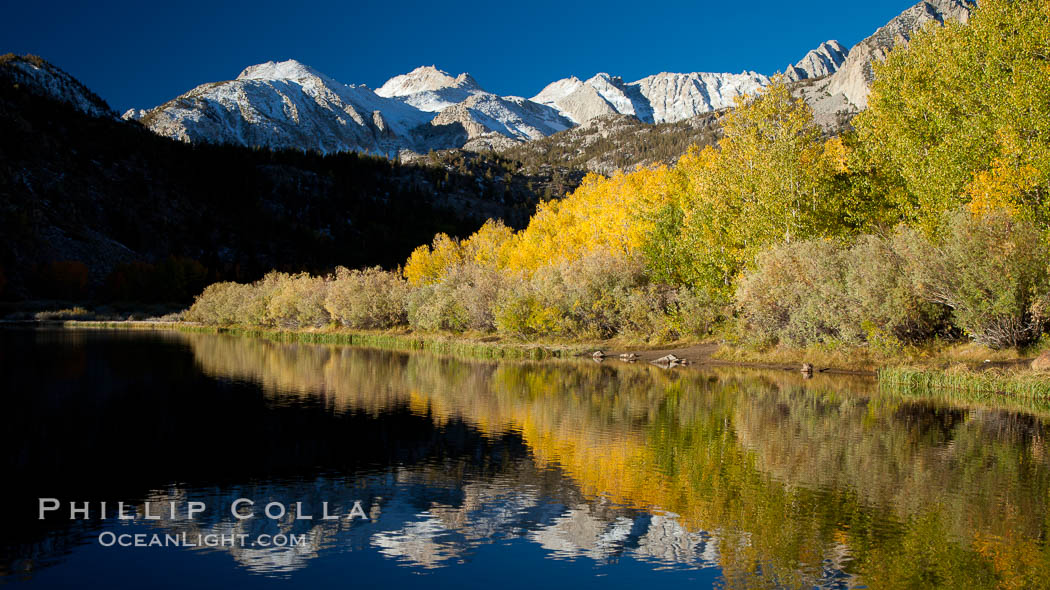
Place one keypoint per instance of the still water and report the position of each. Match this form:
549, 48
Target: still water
452, 473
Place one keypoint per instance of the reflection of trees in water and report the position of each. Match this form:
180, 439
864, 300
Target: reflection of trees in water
800, 479
898, 455
977, 478
374, 381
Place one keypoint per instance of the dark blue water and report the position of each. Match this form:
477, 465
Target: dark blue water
471, 474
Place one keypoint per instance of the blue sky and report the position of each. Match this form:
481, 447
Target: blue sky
141, 54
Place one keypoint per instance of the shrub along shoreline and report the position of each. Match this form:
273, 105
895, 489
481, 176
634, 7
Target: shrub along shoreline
979, 291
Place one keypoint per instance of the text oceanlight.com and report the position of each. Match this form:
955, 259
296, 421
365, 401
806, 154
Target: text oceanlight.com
111, 539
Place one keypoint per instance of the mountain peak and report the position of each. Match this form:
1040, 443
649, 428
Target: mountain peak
423, 79
279, 70
825, 60
833, 45
605, 77
37, 75
854, 77
465, 80
557, 90
431, 71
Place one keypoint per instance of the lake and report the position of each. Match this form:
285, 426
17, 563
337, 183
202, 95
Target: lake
441, 472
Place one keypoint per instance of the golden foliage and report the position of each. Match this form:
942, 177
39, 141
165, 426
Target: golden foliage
603, 214
427, 264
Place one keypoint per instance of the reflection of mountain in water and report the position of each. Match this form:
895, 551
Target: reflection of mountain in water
422, 518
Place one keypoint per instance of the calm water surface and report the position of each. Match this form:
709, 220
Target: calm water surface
498, 474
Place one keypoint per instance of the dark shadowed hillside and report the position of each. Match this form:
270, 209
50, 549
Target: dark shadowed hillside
91, 205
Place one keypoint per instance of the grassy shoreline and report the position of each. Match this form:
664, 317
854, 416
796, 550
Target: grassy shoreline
1028, 390
1029, 384
964, 372
435, 343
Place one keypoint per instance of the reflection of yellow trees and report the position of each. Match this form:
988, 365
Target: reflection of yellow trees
589, 420
976, 477
793, 475
900, 456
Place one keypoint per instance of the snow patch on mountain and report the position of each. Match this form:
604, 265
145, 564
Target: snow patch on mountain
822, 61
625, 99
674, 97
430, 89
426, 79
660, 98
280, 70
37, 75
558, 90
511, 116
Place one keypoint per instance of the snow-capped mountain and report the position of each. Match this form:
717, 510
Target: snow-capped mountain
820, 62
673, 97
38, 76
430, 89
290, 105
286, 105
510, 116
853, 78
599, 96
661, 98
